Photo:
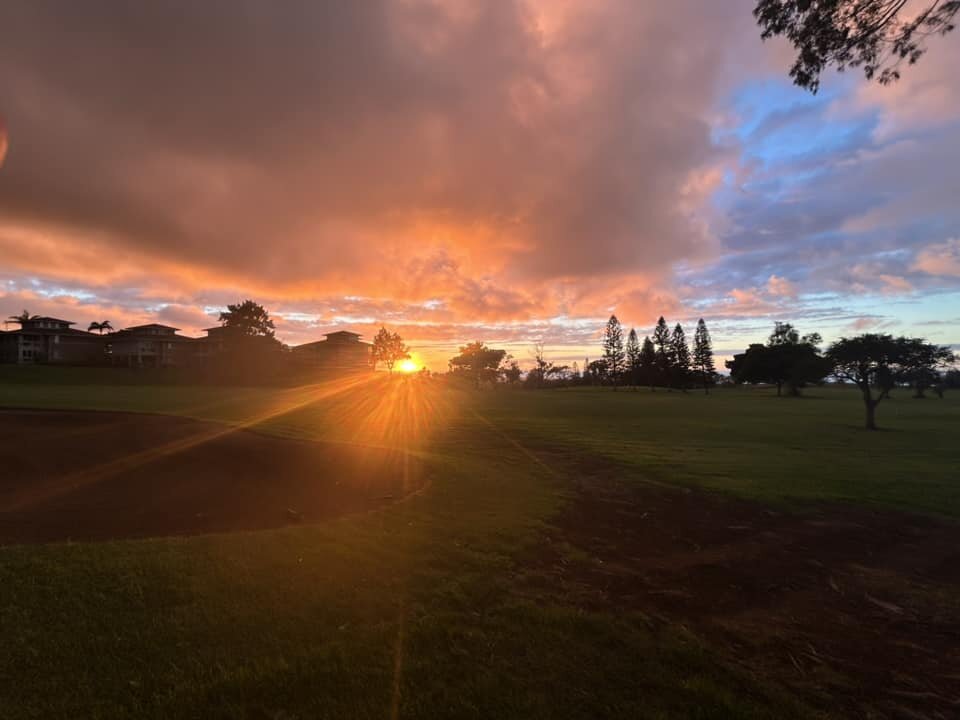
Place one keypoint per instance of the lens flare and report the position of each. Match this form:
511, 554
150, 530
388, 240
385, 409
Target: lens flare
366, 410
408, 366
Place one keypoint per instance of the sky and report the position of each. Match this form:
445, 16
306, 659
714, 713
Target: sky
511, 171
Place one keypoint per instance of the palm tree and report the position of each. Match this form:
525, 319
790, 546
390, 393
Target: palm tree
21, 318
100, 326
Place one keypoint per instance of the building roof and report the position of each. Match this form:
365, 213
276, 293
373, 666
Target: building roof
38, 319
52, 331
149, 325
341, 334
327, 343
52, 319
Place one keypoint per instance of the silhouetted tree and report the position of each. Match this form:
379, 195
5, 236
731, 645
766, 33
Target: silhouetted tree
558, 372
249, 319
633, 357
511, 373
613, 353
21, 318
873, 34
478, 362
648, 363
661, 341
951, 380
597, 371
703, 355
541, 366
100, 326
680, 371
786, 359
388, 348
923, 365
871, 360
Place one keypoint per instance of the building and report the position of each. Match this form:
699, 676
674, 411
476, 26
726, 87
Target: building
229, 347
150, 345
341, 352
219, 340
50, 340
54, 341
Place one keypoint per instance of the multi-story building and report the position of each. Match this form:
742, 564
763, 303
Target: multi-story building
150, 345
53, 341
341, 352
50, 340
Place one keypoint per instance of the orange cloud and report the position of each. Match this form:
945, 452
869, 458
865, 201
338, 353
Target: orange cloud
511, 160
781, 287
941, 259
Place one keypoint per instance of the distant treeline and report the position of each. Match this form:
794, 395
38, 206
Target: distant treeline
876, 364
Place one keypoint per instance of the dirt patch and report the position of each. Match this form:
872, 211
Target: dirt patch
99, 476
855, 611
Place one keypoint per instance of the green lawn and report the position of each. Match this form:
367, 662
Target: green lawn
415, 611
751, 443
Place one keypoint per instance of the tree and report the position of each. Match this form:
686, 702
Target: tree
613, 353
511, 373
872, 34
923, 364
389, 349
248, 319
661, 340
951, 380
21, 318
786, 359
541, 368
597, 370
478, 362
872, 361
633, 357
680, 371
586, 376
703, 355
100, 326
648, 363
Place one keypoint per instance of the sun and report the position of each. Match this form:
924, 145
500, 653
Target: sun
408, 366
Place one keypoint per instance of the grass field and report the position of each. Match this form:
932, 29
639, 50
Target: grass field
433, 607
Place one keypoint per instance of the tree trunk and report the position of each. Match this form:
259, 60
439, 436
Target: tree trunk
779, 389
870, 404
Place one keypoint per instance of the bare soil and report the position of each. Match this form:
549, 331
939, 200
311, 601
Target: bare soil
855, 611
102, 476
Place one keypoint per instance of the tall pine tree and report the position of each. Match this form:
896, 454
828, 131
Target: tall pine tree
661, 341
703, 356
648, 363
681, 357
633, 357
613, 353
